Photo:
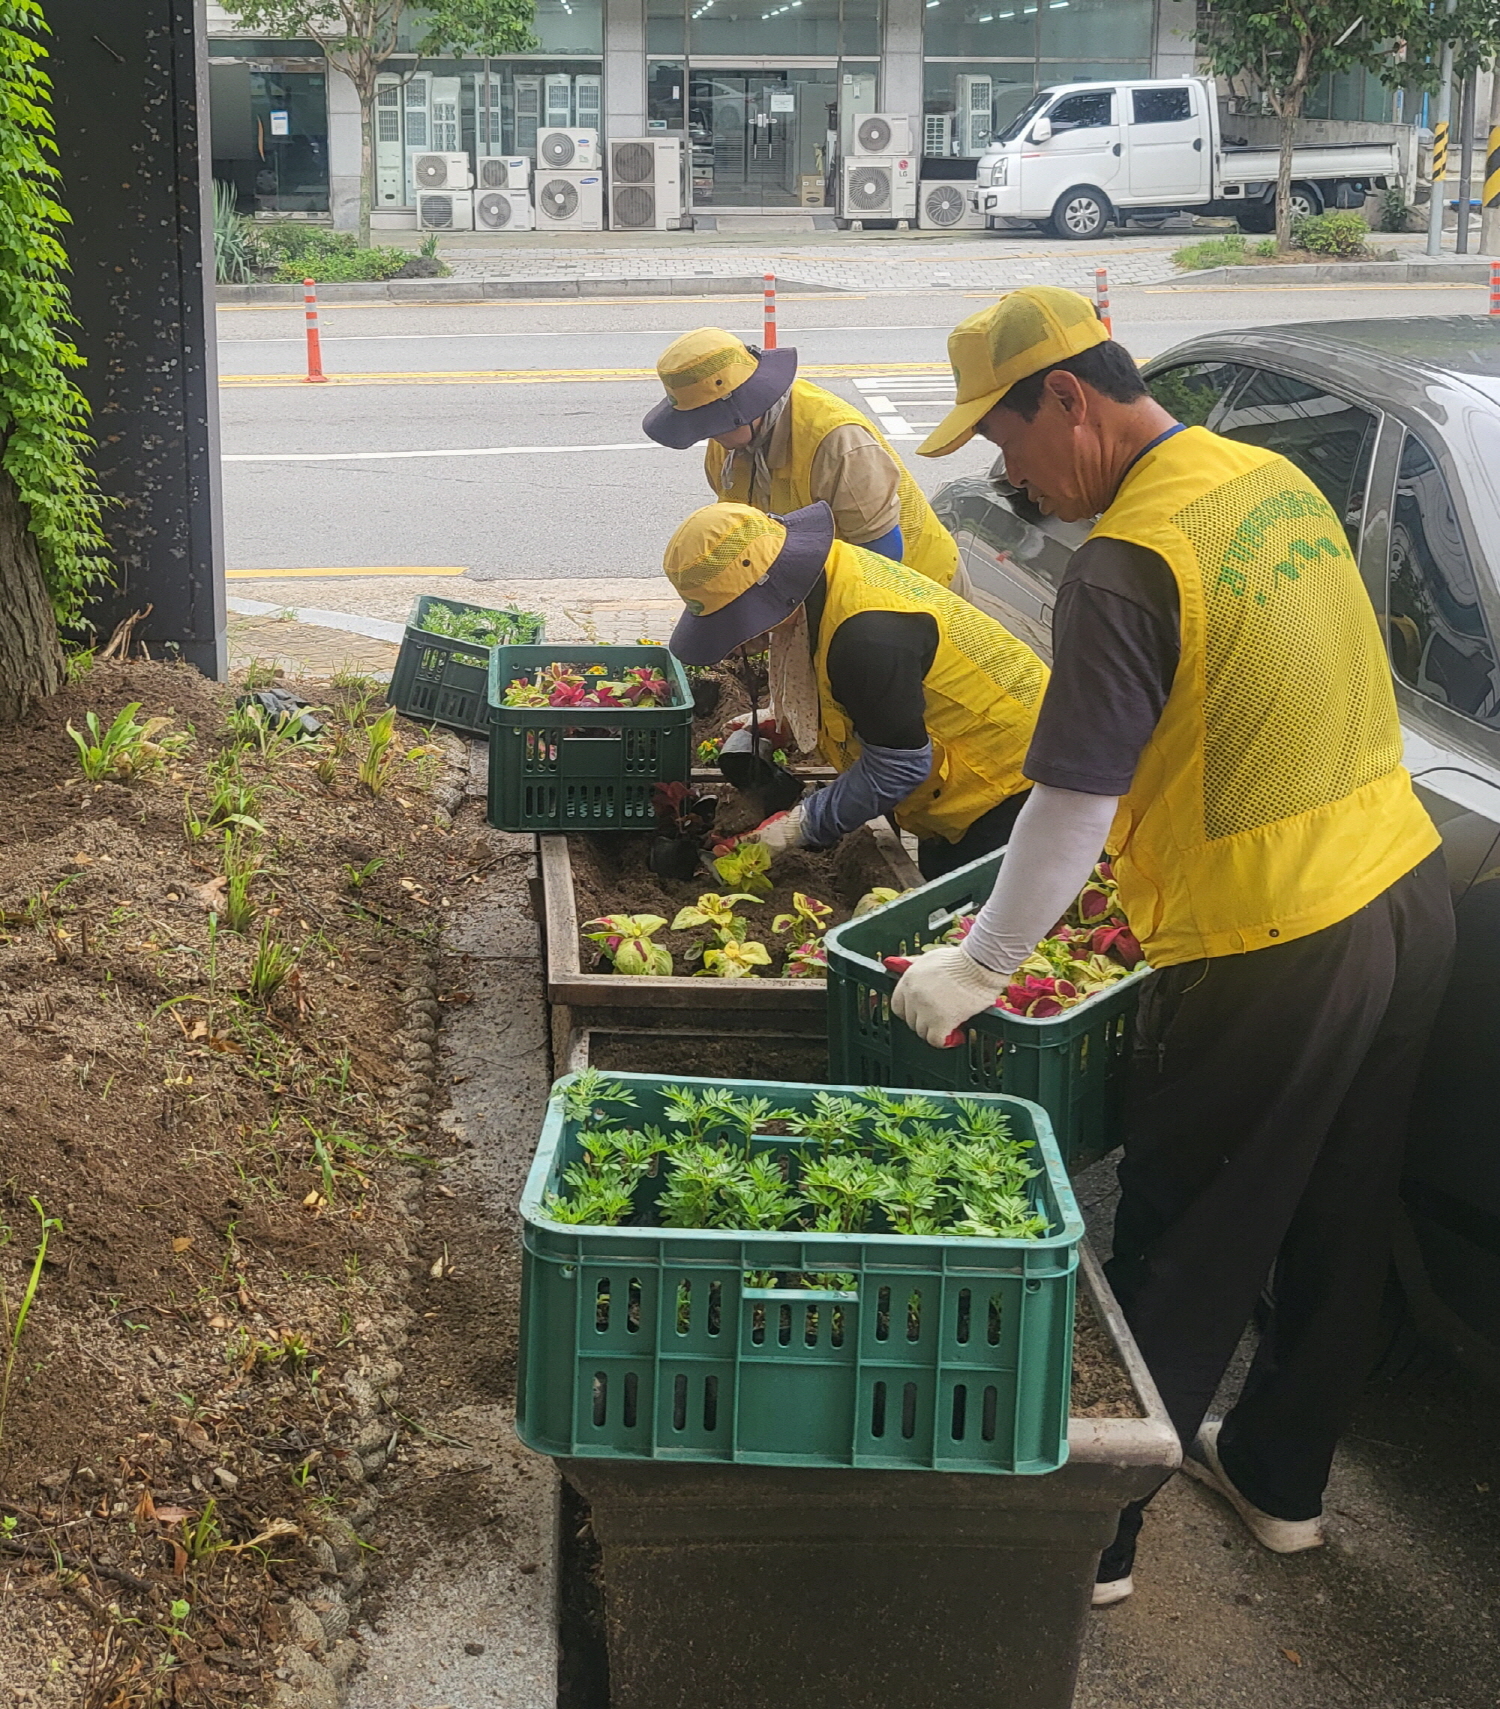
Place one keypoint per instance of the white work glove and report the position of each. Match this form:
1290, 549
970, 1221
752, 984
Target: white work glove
941, 990
782, 831
766, 726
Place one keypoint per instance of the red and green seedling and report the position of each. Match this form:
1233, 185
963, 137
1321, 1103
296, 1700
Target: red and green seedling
745, 866
624, 941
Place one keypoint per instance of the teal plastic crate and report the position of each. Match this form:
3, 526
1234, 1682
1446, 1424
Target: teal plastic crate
438, 680
1074, 1065
579, 768
948, 1354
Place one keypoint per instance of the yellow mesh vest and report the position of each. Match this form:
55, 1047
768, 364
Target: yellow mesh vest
927, 546
1271, 801
982, 691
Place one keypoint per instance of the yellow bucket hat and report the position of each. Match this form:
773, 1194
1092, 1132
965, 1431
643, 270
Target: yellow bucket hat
1026, 331
714, 383
740, 572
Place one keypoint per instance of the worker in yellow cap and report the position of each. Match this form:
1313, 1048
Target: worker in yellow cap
922, 703
1220, 714
780, 444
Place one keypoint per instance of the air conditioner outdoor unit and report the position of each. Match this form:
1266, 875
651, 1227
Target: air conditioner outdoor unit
645, 184
559, 109
568, 150
441, 172
444, 106
876, 133
937, 134
880, 188
974, 118
445, 210
390, 162
588, 101
944, 206
570, 201
503, 210
528, 113
503, 172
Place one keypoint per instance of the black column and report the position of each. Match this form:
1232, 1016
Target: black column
130, 86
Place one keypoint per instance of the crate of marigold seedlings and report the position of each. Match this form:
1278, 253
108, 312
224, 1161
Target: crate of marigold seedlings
442, 670
1060, 1034
581, 735
773, 1274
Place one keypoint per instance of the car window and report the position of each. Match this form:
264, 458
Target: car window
1159, 106
1440, 642
1327, 437
1084, 111
1196, 392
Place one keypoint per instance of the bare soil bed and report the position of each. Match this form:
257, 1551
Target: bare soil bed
223, 1167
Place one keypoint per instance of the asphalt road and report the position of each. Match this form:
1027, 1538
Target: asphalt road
503, 439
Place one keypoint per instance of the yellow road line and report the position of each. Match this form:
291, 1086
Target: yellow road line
548, 376
367, 570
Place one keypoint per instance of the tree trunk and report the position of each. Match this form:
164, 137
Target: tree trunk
366, 158
1284, 176
31, 661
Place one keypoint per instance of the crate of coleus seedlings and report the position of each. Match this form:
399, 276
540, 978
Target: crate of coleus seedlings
796, 1275
580, 736
442, 670
1059, 1035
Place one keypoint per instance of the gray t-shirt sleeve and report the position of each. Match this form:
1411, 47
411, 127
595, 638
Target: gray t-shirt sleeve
1115, 646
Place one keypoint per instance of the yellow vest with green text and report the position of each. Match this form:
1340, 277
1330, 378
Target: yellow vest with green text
927, 546
982, 693
1270, 801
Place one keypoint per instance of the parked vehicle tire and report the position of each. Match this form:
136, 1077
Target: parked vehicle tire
1306, 201
1080, 214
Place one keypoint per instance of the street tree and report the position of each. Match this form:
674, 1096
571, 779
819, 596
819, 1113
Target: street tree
358, 37
1287, 47
51, 543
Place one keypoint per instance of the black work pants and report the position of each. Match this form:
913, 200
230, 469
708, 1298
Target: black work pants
1270, 1098
990, 831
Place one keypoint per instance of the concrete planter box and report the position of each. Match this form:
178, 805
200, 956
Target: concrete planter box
748, 1587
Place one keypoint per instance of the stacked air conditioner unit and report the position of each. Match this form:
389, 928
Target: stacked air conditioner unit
447, 95
564, 150
878, 134
974, 116
443, 186
645, 184
943, 205
503, 172
390, 160
937, 135
569, 201
878, 187
502, 197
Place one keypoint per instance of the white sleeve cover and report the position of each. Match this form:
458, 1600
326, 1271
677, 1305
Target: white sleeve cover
1057, 840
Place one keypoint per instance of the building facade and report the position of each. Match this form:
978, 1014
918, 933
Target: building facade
761, 90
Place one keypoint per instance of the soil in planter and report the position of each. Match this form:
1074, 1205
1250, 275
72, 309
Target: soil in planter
728, 1056
1101, 1388
732, 702
611, 875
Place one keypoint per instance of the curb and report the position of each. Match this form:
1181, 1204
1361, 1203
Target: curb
1446, 272
466, 290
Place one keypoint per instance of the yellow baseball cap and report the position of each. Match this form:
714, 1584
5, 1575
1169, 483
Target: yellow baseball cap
714, 383
1026, 331
740, 572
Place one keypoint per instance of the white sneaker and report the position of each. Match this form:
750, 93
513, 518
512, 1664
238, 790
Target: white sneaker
1281, 1536
1112, 1591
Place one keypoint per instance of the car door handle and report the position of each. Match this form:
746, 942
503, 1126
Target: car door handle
1115, 149
1198, 144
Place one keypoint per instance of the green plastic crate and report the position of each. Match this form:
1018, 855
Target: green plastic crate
438, 680
949, 1354
572, 768
1074, 1065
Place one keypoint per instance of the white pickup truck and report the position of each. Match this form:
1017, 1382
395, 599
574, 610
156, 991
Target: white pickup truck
1083, 156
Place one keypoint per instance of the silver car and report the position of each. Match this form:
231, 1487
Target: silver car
1398, 422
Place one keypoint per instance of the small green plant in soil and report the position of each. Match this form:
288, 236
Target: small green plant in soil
1229, 250
13, 1319
497, 627
717, 914
745, 866
125, 749
624, 941
270, 967
876, 1162
709, 749
379, 757
735, 960
1343, 234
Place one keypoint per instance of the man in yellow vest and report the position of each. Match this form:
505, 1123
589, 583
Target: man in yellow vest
780, 444
1220, 713
923, 704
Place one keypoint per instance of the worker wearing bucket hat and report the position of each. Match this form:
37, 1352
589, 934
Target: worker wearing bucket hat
780, 444
923, 704
1220, 716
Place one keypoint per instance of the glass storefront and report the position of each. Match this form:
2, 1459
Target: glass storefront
269, 132
761, 138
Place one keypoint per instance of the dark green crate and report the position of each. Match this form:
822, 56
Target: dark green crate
948, 1354
1074, 1064
438, 680
577, 768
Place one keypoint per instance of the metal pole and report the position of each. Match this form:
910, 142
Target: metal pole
1440, 145
1489, 220
1465, 161
315, 372
1101, 298
768, 337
